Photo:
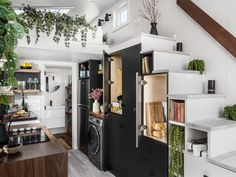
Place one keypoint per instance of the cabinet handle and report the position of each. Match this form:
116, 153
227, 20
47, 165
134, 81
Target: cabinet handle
110, 82
137, 110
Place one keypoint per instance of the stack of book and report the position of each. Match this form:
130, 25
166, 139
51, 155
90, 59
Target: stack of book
177, 112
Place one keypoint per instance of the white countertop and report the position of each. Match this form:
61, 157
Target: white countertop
177, 71
227, 161
194, 96
212, 124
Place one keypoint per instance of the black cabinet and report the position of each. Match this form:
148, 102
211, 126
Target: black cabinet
89, 79
117, 128
154, 151
130, 152
147, 169
123, 155
83, 114
131, 65
125, 160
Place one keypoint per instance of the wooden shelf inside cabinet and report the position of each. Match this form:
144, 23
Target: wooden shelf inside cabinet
33, 91
97, 115
177, 123
28, 71
163, 139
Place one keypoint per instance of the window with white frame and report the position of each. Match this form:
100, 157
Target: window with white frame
121, 15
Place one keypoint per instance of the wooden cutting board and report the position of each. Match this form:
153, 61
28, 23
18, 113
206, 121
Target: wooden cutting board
154, 114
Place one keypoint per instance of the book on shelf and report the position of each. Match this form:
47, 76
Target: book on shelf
146, 66
177, 111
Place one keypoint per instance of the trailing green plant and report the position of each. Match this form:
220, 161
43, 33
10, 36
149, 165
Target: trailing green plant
176, 162
62, 25
230, 112
10, 31
197, 65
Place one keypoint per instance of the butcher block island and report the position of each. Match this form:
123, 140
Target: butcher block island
43, 157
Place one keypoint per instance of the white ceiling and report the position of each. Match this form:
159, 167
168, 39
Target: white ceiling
90, 8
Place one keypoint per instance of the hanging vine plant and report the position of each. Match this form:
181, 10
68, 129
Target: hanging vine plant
61, 25
176, 166
10, 31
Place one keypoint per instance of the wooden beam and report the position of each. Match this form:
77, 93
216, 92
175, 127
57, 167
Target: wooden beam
218, 32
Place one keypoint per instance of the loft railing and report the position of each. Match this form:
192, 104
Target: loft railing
218, 32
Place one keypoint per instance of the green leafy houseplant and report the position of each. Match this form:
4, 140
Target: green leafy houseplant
176, 167
197, 65
230, 112
62, 25
10, 31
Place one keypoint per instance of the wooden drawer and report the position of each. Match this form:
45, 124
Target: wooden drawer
150, 170
154, 151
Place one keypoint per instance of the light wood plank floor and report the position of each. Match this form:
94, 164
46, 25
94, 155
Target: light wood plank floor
80, 166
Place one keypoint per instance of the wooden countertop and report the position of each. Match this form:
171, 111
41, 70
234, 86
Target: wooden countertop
33, 151
98, 115
31, 116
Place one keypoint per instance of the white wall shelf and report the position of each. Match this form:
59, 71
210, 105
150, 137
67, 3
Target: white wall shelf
212, 124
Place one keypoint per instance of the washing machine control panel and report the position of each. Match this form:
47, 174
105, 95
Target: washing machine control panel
95, 121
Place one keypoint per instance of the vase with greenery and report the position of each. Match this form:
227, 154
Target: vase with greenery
176, 156
11, 30
56, 24
151, 13
197, 65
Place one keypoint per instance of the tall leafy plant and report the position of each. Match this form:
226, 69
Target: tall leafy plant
57, 24
10, 31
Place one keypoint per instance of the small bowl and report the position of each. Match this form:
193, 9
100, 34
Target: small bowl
27, 67
13, 150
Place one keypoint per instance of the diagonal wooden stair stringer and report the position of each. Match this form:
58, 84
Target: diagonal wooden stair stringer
217, 31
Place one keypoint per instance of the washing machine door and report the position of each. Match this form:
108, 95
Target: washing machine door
93, 139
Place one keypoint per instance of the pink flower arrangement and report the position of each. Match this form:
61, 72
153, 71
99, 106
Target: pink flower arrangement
95, 94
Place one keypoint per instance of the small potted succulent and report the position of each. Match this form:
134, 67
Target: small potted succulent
96, 94
151, 13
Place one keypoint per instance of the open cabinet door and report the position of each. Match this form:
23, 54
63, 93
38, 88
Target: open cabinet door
106, 81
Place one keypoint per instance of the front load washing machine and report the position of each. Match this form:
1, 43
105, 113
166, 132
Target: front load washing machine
97, 142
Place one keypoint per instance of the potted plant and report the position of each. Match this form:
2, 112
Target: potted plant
197, 65
96, 94
230, 112
10, 31
151, 14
